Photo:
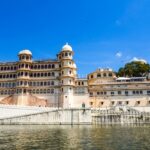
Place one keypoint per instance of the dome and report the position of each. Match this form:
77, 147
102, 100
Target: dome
66, 47
26, 51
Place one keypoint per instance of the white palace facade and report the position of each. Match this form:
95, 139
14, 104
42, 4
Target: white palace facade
55, 83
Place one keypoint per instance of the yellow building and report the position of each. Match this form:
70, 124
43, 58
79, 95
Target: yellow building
106, 90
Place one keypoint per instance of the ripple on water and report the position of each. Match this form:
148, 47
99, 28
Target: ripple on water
29, 137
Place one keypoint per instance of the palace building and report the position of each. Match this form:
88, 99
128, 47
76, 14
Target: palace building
55, 83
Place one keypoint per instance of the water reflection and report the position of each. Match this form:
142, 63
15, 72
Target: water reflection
75, 137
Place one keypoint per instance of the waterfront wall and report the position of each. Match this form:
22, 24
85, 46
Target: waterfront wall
120, 115
12, 114
46, 116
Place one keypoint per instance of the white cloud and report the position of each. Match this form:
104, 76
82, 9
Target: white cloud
118, 54
138, 59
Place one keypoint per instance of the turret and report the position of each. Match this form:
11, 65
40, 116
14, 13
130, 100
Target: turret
23, 72
68, 75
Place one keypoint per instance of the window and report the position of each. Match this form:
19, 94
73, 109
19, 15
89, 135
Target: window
53, 74
148, 92
98, 75
52, 83
112, 102
119, 92
104, 74
126, 92
53, 66
112, 93
110, 74
91, 103
141, 92
120, 103
102, 103
127, 102
91, 94
138, 102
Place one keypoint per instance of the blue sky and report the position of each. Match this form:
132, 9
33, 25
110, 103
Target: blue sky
103, 33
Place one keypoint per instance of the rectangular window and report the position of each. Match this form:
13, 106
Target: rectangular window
119, 92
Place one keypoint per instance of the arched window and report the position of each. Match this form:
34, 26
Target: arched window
52, 91
53, 66
39, 66
38, 75
23, 57
42, 66
35, 67
45, 74
104, 75
98, 75
27, 57
66, 54
53, 74
14, 76
31, 66
7, 76
31, 75
45, 66
26, 73
22, 65
52, 83
48, 82
27, 65
110, 74
49, 66
34, 74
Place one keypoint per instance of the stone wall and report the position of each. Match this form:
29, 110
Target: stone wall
30, 115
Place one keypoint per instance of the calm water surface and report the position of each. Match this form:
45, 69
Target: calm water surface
74, 137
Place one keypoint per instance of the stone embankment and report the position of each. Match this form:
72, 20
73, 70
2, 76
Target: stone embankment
43, 115
11, 114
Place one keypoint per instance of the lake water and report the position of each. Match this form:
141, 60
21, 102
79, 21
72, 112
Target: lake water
88, 137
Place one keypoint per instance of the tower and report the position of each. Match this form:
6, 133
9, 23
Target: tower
68, 75
23, 75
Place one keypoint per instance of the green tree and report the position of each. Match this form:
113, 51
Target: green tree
134, 69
